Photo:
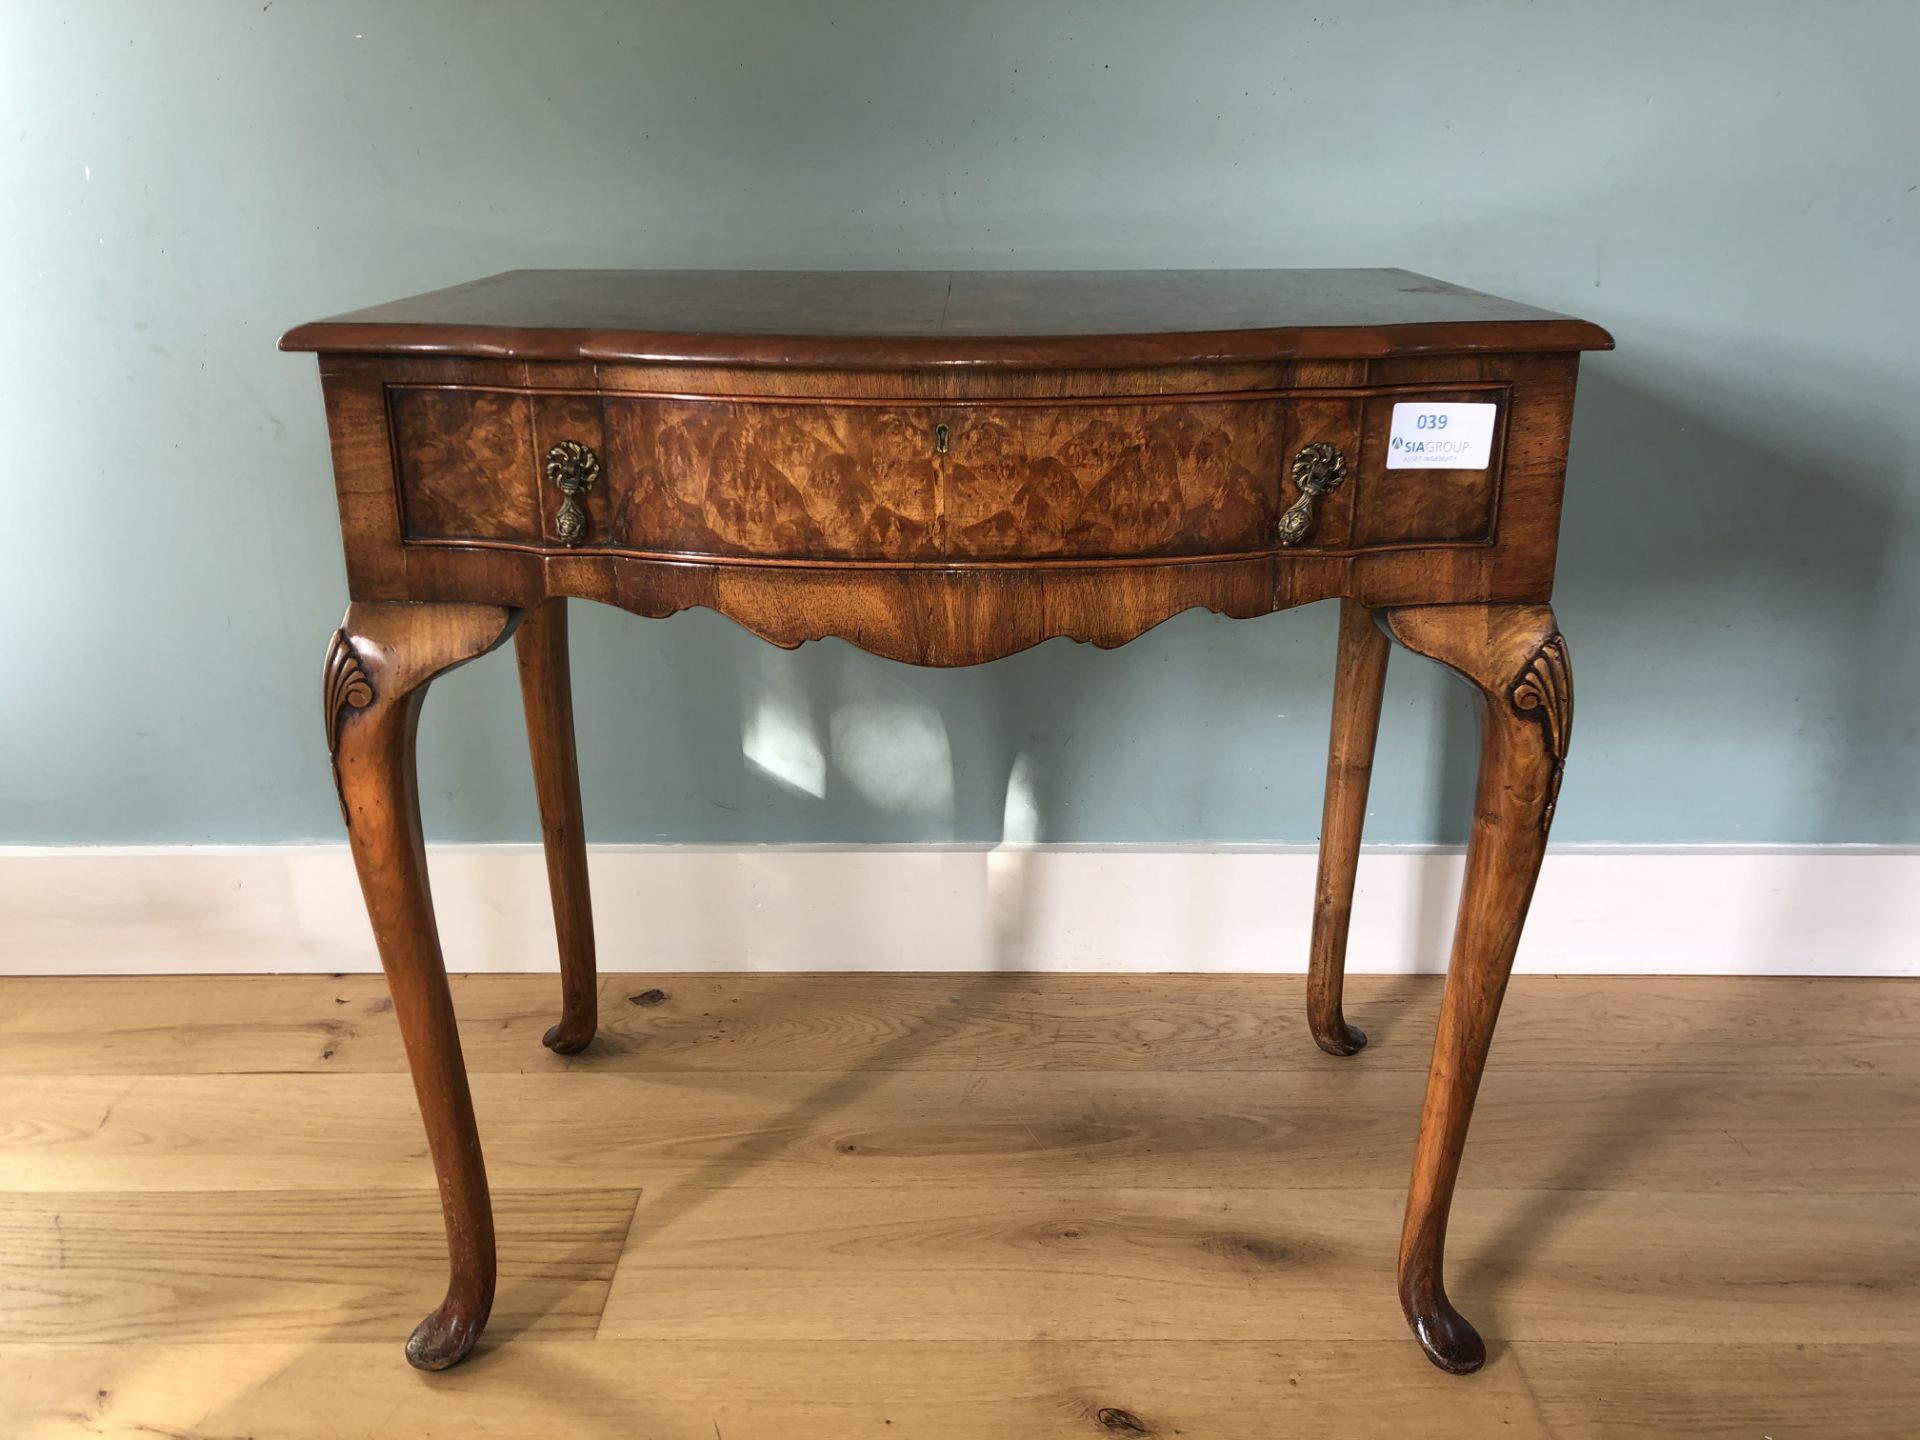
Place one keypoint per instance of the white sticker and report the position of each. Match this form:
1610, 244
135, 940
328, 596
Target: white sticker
1441, 435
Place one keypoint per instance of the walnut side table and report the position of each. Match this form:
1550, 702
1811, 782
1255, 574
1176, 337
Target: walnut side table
943, 469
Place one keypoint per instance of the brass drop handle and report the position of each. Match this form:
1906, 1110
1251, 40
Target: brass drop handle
571, 468
1317, 470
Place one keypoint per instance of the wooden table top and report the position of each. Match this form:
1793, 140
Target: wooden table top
1040, 318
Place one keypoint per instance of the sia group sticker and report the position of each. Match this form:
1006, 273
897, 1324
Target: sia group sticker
1441, 435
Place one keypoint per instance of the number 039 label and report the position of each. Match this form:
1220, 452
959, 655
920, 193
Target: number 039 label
1441, 435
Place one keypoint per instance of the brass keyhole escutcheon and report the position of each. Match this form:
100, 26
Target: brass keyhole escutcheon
1317, 470
571, 469
940, 434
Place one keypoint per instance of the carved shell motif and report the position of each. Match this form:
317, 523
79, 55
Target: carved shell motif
344, 683
1544, 692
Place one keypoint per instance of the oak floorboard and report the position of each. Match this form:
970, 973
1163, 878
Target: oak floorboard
1799, 1391
1345, 1125
995, 1390
837, 1206
833, 1022
976, 1263
307, 1265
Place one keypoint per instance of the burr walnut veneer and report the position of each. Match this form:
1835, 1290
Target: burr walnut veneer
944, 469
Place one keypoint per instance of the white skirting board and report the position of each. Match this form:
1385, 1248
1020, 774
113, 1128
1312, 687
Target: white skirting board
1678, 910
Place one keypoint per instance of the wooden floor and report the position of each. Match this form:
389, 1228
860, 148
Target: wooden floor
837, 1207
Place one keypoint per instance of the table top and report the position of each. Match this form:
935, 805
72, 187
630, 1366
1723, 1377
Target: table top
936, 317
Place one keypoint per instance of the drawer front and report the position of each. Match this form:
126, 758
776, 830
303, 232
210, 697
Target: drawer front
1091, 481
465, 462
772, 480
932, 482
923, 481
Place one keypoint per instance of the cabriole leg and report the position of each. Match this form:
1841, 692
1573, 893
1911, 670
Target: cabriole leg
1516, 659
378, 667
1359, 678
546, 689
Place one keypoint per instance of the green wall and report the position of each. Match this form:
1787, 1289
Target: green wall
1729, 187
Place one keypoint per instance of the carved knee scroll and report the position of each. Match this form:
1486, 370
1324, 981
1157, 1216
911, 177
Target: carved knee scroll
386, 651
1516, 657
344, 686
1544, 692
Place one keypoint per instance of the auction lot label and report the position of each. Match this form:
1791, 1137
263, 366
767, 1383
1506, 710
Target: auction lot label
1441, 435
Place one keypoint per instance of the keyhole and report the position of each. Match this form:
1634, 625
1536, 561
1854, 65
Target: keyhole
939, 439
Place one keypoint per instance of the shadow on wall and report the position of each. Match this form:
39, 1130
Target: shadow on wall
831, 745
1764, 561
909, 757
1699, 560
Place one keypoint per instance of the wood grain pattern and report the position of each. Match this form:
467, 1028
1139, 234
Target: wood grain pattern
1008, 1390
818, 481
941, 610
1636, 1279
753, 479
546, 692
914, 1263
106, 1026
1505, 653
773, 1390
1434, 540
402, 649
1725, 1390
466, 462
1045, 319
224, 1268
963, 617
1359, 684
1101, 481
1544, 1128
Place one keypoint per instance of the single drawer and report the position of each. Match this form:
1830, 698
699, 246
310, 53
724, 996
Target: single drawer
921, 481
942, 481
